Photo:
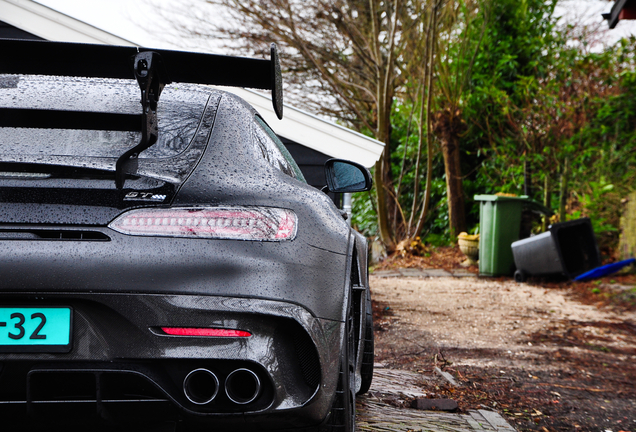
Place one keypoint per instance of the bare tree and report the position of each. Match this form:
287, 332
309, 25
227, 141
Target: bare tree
349, 59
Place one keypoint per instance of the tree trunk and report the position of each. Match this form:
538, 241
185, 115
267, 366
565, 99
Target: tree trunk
527, 179
547, 200
448, 126
563, 197
383, 178
424, 125
381, 207
429, 138
454, 189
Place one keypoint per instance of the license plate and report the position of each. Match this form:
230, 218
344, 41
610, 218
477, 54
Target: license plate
35, 329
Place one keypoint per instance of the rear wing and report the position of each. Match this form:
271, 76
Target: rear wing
152, 69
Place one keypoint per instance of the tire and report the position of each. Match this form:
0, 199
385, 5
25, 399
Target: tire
366, 370
342, 417
520, 276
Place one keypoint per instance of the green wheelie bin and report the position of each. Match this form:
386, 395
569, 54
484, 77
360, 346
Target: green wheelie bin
499, 225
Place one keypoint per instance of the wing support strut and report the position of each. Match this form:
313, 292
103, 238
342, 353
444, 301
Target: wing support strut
152, 77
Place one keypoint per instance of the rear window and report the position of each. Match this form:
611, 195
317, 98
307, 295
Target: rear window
179, 113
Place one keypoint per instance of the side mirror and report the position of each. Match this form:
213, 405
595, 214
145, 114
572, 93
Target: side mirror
344, 176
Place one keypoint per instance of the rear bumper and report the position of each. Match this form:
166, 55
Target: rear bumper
123, 368
105, 261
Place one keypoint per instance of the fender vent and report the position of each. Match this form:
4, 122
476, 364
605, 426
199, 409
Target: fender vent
67, 235
309, 363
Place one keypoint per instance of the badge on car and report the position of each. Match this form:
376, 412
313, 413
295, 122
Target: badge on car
35, 329
144, 196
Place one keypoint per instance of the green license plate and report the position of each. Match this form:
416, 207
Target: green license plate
35, 329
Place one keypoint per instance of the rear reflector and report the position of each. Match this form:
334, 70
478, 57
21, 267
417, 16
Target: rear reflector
233, 223
210, 332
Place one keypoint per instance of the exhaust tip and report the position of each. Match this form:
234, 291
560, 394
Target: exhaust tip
200, 386
242, 386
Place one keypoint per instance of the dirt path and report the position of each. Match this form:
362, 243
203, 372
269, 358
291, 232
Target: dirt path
543, 360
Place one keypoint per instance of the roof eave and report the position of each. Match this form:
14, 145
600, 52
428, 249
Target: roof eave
45, 22
612, 16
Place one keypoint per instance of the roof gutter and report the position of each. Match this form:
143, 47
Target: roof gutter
614, 15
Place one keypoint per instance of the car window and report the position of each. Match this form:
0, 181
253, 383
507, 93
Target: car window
275, 151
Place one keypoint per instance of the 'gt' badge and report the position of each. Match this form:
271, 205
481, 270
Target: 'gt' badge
143, 196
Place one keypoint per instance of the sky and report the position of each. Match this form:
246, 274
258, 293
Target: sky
131, 19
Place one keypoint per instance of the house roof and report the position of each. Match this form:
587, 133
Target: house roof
297, 125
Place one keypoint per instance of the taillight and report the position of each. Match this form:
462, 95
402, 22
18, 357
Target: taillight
233, 223
207, 332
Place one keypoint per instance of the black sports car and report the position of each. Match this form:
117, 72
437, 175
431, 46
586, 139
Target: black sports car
165, 265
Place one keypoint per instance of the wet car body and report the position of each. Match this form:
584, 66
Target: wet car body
168, 328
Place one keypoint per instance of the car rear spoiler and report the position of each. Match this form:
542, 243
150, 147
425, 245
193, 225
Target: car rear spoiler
152, 69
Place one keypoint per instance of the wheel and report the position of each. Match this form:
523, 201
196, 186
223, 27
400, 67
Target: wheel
366, 370
520, 276
343, 410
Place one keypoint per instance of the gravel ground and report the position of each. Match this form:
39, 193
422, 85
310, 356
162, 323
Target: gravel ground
537, 355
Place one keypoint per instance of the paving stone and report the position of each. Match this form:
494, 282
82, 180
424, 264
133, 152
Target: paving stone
476, 425
463, 273
386, 273
434, 404
408, 272
496, 421
448, 377
437, 273
478, 421
425, 272
398, 382
375, 415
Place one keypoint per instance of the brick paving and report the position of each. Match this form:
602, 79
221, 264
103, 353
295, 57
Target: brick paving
422, 273
375, 415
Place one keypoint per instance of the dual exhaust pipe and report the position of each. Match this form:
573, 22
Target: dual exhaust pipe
201, 386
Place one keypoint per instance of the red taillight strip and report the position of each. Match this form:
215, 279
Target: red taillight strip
207, 332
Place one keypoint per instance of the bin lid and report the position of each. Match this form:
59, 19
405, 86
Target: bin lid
527, 201
501, 198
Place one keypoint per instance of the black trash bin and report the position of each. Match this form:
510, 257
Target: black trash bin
567, 248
